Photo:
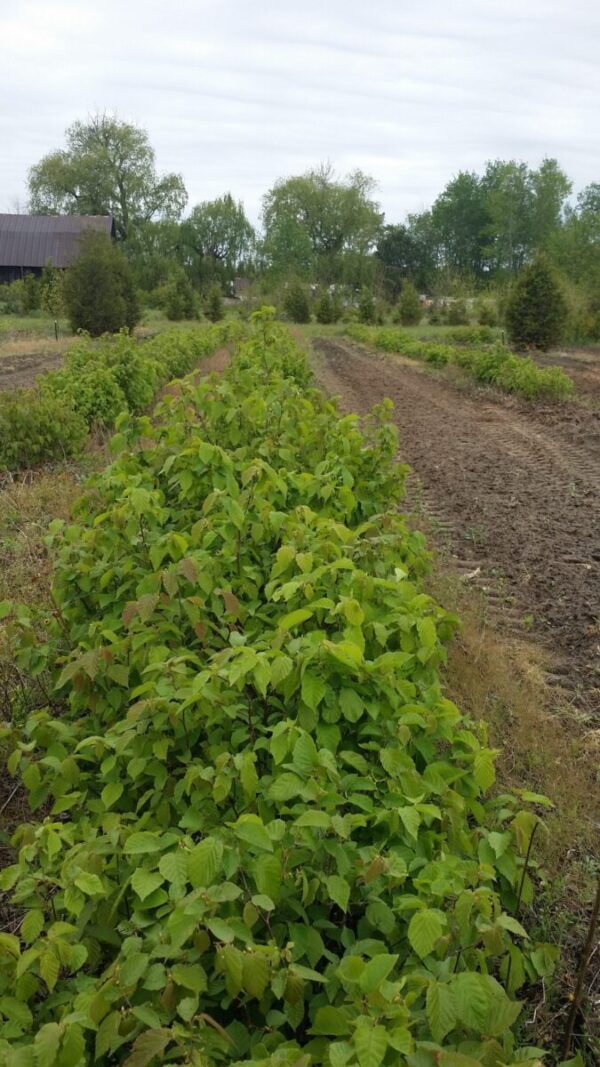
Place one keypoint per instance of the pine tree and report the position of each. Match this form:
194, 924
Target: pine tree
367, 312
537, 311
409, 305
296, 304
214, 303
98, 289
325, 310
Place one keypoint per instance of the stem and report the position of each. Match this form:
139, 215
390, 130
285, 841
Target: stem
525, 866
520, 894
585, 959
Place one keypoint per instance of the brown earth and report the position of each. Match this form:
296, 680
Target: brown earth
18, 370
513, 490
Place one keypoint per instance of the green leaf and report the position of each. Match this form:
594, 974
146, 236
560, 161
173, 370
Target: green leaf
32, 925
190, 976
90, 884
427, 632
305, 755
46, 1043
483, 769
424, 931
471, 999
261, 900
288, 622
49, 968
204, 862
221, 930
142, 841
132, 968
231, 961
17, 1011
111, 793
267, 875
338, 891
173, 867
371, 1044
285, 786
351, 705
256, 975
313, 689
72, 1048
411, 819
441, 1010
250, 828
317, 819
145, 882
331, 1022
376, 971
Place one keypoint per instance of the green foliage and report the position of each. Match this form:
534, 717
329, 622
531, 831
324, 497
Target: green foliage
494, 365
295, 303
265, 837
12, 297
487, 315
326, 310
457, 314
471, 335
213, 307
409, 305
31, 294
98, 381
107, 168
536, 313
218, 239
51, 291
98, 290
36, 427
367, 310
178, 297
321, 227
405, 252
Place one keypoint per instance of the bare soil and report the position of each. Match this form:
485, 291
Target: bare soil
514, 489
19, 369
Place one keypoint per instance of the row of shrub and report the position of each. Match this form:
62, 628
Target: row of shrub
494, 365
99, 380
265, 837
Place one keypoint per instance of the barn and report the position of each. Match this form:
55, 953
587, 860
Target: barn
29, 242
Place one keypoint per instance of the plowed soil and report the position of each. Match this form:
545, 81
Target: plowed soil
515, 490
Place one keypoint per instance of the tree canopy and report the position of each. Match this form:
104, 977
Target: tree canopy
107, 168
218, 238
316, 223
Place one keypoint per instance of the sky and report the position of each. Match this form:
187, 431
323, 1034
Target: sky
235, 94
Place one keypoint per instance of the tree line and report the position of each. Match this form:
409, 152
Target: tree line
322, 229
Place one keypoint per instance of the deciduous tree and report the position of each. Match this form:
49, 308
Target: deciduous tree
107, 168
315, 220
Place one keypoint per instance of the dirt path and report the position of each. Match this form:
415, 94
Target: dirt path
515, 492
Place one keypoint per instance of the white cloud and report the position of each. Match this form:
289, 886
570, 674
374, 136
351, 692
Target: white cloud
236, 95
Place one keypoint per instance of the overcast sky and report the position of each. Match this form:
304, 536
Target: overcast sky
236, 93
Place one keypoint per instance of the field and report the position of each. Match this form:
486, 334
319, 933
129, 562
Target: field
514, 489
236, 579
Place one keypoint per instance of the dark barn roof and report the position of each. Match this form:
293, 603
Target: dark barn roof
32, 240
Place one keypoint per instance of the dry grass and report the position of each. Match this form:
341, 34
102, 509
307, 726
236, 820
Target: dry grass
543, 743
545, 746
27, 507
